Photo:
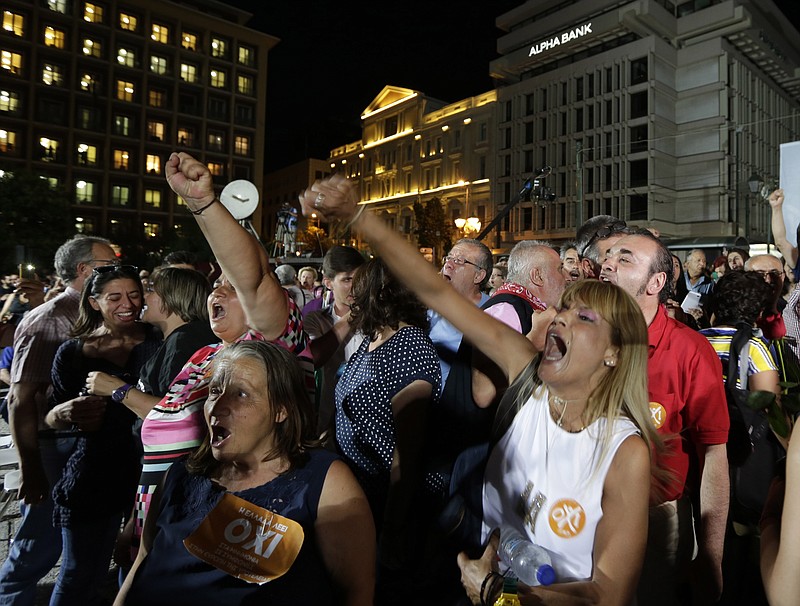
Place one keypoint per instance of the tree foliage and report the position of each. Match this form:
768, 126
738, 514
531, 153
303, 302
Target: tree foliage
434, 230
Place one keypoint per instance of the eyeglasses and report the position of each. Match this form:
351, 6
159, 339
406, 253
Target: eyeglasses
603, 233
774, 274
459, 261
124, 269
104, 261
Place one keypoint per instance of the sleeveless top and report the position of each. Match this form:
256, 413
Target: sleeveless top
171, 576
548, 484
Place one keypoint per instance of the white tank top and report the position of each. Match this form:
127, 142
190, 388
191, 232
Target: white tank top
546, 483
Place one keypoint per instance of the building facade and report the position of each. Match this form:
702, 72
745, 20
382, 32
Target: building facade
95, 96
659, 113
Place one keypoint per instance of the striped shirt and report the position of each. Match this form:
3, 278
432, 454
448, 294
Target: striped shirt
760, 357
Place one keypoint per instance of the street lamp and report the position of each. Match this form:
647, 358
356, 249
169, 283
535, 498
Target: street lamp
754, 182
469, 225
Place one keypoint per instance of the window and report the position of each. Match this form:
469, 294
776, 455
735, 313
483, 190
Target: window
49, 148
217, 109
188, 72
638, 105
52, 75
52, 182
84, 192
92, 48
216, 140
93, 13
158, 65
14, 23
638, 173
155, 130
244, 114
87, 154
638, 138
216, 169
244, 85
53, 37
58, 6
11, 61
121, 159
152, 230
217, 78
8, 141
9, 101
639, 70
125, 90
152, 198
122, 125
88, 83
128, 22
88, 118
246, 55
186, 136
126, 57
153, 164
219, 48
156, 97
159, 33
120, 195
189, 41
241, 145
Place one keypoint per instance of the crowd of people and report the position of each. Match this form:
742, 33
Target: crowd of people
360, 433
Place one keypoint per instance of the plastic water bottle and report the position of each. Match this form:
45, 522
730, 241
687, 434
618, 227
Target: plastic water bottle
529, 562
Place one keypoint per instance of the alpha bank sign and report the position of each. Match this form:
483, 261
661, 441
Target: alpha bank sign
551, 43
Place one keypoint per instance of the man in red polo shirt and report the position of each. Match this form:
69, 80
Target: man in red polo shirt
687, 399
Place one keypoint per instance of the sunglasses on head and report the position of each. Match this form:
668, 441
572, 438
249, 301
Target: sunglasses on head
127, 269
603, 233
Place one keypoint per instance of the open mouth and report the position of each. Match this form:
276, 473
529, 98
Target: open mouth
218, 435
127, 315
217, 311
555, 347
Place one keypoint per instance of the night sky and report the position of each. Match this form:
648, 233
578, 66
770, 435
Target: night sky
334, 58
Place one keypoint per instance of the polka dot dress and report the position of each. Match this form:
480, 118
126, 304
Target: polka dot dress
365, 432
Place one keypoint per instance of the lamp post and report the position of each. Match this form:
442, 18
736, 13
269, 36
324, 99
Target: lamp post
754, 182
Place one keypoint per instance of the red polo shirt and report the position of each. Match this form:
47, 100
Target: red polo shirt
687, 397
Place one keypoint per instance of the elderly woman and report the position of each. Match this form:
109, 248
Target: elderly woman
97, 485
259, 453
586, 394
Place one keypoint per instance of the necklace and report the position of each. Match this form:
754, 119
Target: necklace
560, 420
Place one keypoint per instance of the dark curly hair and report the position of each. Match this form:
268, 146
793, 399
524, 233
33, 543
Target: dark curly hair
739, 296
379, 300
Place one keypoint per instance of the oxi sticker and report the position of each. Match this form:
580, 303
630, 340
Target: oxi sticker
658, 414
246, 541
567, 518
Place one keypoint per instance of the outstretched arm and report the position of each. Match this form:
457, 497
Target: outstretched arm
788, 251
240, 256
507, 348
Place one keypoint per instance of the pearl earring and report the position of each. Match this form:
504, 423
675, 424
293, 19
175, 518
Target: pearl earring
609, 363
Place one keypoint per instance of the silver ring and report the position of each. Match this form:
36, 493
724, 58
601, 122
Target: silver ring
319, 200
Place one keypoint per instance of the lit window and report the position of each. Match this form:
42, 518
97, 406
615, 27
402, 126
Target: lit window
241, 145
156, 97
152, 230
246, 55
120, 195
216, 141
14, 23
87, 154
153, 163
92, 48
9, 101
59, 6
216, 168
84, 191
125, 90
126, 57
128, 22
158, 65
152, 197
122, 125
219, 47
188, 72
155, 130
52, 75
121, 159
53, 37
11, 61
93, 13
189, 41
86, 119
244, 84
185, 136
217, 78
160, 33
8, 140
49, 149
52, 182
88, 83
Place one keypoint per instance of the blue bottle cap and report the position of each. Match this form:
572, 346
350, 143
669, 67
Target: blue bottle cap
545, 574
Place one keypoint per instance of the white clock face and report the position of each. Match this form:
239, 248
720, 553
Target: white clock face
240, 198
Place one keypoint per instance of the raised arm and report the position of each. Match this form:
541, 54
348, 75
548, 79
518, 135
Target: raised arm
507, 348
788, 251
240, 256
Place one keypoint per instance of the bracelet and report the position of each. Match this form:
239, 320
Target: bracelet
356, 217
483, 586
200, 210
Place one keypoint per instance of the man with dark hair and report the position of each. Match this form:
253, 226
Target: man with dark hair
42, 451
180, 258
688, 405
571, 262
332, 340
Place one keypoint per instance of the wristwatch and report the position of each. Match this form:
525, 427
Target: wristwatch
119, 394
